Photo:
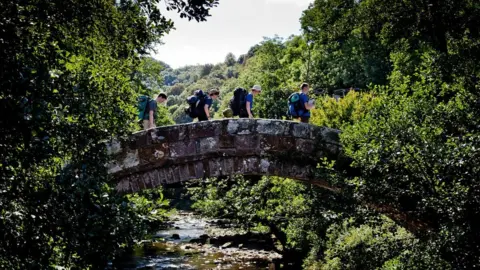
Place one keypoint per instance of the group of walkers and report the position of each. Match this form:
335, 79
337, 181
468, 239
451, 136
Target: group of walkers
241, 104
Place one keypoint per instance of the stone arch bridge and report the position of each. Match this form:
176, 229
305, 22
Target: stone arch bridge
178, 153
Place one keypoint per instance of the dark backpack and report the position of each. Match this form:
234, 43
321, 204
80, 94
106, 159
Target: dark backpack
194, 101
294, 104
143, 108
237, 103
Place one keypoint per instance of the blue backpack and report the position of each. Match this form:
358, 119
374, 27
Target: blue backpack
295, 106
142, 106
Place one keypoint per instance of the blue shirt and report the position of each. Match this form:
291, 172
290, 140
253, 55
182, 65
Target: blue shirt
152, 106
200, 109
249, 98
304, 99
208, 101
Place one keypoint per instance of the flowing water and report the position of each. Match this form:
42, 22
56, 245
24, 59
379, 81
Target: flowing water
181, 248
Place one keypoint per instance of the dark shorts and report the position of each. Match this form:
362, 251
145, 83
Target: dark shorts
304, 119
202, 117
244, 114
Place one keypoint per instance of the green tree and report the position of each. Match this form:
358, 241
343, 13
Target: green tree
230, 60
205, 70
66, 88
344, 53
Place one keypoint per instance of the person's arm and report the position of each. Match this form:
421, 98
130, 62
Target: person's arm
309, 106
207, 111
248, 109
152, 122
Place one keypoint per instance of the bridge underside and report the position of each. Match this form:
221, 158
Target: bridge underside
179, 153
218, 167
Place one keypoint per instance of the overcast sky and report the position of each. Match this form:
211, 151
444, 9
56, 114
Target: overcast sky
235, 26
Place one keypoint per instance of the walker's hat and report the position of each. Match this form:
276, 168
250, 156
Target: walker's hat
256, 88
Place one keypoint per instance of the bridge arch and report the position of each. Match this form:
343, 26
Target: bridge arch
173, 154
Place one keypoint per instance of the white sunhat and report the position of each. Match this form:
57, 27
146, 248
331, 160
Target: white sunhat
257, 88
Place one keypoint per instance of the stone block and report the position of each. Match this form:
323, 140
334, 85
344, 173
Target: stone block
271, 143
134, 185
125, 160
226, 141
123, 186
249, 165
207, 145
301, 130
286, 144
114, 147
268, 143
331, 136
304, 146
215, 167
184, 172
232, 127
228, 166
243, 142
113, 167
154, 154
170, 176
172, 133
192, 171
273, 127
241, 126
182, 149
199, 170
161, 177
149, 178
139, 140
264, 166
176, 174
204, 129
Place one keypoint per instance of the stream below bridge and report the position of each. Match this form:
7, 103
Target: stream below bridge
193, 242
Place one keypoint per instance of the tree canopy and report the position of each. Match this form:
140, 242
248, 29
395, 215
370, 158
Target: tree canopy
70, 73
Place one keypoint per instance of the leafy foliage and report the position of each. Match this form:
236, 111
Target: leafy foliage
298, 215
346, 111
68, 80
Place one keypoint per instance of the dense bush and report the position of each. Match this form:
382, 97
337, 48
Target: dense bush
345, 111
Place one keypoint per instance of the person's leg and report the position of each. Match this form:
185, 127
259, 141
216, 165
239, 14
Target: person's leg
146, 124
202, 118
245, 115
304, 119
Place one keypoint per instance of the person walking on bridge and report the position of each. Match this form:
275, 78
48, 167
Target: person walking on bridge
255, 90
151, 111
203, 109
299, 105
308, 104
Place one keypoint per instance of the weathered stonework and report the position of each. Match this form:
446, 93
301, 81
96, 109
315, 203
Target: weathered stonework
180, 153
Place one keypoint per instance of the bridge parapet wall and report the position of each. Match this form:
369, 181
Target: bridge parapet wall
179, 153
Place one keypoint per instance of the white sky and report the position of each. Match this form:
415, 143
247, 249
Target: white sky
234, 26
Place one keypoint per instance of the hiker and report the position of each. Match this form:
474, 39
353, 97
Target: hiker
299, 105
203, 108
255, 90
150, 109
200, 103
